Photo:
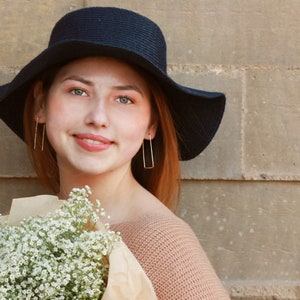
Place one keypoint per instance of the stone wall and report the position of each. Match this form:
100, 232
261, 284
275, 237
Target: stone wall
241, 195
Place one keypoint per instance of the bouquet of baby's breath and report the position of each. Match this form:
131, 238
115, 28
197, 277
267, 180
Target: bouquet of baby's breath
58, 256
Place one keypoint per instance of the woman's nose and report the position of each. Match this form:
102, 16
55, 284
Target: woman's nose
98, 113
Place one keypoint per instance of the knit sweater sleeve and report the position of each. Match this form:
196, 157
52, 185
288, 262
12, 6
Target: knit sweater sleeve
173, 259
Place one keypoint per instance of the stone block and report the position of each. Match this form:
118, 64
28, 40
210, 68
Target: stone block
25, 27
7, 74
13, 155
249, 230
16, 188
271, 124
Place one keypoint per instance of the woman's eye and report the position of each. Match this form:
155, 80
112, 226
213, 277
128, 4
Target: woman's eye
78, 92
125, 100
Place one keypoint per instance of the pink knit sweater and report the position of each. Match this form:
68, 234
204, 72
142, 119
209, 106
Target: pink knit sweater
172, 257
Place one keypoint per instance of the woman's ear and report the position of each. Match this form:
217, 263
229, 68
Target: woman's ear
151, 132
39, 102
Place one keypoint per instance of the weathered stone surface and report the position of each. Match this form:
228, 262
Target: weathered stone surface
271, 124
13, 155
271, 292
249, 230
25, 27
16, 188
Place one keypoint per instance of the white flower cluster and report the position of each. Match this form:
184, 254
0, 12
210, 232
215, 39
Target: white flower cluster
58, 256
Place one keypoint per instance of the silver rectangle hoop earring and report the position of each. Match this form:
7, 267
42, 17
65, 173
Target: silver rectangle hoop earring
151, 166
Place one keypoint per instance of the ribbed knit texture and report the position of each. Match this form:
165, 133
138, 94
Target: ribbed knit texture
172, 257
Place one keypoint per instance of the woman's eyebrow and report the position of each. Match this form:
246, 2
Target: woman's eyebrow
128, 87
78, 78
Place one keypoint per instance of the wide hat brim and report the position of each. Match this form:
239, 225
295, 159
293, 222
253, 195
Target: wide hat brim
197, 114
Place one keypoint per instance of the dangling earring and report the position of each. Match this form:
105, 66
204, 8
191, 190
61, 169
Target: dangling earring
43, 136
151, 166
36, 133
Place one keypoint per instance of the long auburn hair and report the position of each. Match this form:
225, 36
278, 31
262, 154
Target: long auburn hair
163, 181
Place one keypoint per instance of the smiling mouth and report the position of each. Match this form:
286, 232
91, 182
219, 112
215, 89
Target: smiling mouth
92, 142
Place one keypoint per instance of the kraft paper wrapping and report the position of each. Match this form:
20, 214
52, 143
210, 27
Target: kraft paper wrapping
126, 280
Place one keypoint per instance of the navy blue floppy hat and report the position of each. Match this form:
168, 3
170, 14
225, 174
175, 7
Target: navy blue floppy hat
135, 39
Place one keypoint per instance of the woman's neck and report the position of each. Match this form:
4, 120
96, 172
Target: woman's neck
115, 190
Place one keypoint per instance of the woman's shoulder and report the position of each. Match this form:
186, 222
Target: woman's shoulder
152, 237
172, 257
157, 225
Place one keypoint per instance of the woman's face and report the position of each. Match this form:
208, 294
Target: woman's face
97, 113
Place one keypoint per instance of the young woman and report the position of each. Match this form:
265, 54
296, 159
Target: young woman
97, 108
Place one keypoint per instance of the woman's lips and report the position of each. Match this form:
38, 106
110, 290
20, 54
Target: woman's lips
92, 142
